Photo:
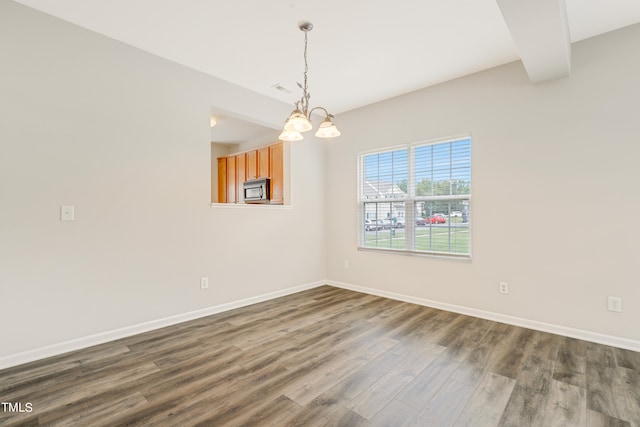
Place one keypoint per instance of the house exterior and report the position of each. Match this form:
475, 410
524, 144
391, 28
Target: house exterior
385, 190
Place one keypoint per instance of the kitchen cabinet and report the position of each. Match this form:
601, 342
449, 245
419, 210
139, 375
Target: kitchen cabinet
251, 164
231, 180
241, 176
276, 173
262, 162
222, 180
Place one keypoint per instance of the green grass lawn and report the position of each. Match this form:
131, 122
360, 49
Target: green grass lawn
432, 239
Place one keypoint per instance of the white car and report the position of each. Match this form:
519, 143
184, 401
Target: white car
369, 225
372, 224
455, 213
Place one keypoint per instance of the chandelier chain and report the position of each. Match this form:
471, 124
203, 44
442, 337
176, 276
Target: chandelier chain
306, 65
305, 95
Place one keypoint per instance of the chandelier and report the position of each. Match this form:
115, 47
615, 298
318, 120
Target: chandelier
300, 119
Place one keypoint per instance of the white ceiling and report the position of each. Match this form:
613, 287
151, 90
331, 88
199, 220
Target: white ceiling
360, 51
232, 130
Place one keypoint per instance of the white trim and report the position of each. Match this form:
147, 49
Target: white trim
581, 334
217, 205
408, 199
439, 255
433, 141
383, 150
437, 198
103, 337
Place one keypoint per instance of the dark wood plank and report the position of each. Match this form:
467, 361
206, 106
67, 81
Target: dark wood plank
473, 368
528, 402
605, 392
630, 390
536, 374
326, 409
272, 414
566, 405
526, 408
39, 370
546, 345
600, 354
512, 352
95, 413
570, 364
628, 359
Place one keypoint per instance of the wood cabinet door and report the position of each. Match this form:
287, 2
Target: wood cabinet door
251, 164
263, 162
231, 179
276, 171
241, 177
222, 180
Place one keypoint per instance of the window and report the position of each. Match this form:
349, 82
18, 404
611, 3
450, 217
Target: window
416, 198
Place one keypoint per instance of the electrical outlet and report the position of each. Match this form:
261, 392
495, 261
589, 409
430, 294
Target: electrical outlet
204, 283
614, 304
346, 264
504, 288
67, 213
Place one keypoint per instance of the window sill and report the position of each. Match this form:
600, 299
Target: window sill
248, 206
444, 256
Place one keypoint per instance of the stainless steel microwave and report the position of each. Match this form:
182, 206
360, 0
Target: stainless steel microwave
256, 190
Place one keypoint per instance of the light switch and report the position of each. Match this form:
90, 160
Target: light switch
67, 213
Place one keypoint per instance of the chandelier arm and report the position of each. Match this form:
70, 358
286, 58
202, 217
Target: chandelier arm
329, 115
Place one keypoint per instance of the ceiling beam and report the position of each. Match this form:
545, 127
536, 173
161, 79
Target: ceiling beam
540, 32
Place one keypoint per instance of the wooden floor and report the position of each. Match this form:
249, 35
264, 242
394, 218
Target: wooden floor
331, 357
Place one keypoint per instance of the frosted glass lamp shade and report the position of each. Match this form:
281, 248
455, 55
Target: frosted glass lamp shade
327, 130
288, 135
297, 122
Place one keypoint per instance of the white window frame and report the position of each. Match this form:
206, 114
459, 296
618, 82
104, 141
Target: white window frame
410, 200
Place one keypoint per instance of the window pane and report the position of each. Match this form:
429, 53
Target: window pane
461, 166
384, 225
424, 170
385, 175
443, 169
442, 226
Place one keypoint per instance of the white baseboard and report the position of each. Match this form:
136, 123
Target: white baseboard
502, 318
103, 337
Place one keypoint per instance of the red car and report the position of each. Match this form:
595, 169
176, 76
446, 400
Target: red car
433, 219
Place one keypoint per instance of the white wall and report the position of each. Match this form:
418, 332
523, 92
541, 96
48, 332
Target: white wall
124, 136
555, 190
